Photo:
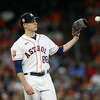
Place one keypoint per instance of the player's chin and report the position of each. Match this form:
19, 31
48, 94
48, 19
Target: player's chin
35, 29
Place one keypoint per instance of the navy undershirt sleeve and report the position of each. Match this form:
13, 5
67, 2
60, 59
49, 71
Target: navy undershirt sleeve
18, 66
60, 51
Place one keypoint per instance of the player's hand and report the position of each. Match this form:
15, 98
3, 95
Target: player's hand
28, 89
76, 37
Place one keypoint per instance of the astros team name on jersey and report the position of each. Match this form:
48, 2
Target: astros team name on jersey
34, 49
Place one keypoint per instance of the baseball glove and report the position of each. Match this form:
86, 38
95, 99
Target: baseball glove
79, 25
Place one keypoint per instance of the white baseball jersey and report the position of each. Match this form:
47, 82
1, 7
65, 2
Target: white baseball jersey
33, 53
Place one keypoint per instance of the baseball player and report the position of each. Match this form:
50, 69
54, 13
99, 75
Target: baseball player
30, 54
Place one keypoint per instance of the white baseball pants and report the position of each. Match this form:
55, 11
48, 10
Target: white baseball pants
42, 86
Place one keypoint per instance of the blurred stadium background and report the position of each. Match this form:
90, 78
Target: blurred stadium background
76, 75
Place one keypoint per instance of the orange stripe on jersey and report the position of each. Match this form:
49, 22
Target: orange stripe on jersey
40, 56
54, 51
38, 38
14, 59
36, 53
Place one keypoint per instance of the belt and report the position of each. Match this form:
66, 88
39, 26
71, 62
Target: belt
38, 74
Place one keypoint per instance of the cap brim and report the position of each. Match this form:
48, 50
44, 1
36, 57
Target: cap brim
36, 17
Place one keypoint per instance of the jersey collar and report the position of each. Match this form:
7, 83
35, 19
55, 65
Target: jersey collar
35, 38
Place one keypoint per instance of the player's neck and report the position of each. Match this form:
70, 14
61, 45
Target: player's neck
29, 33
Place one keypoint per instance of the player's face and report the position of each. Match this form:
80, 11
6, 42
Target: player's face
32, 26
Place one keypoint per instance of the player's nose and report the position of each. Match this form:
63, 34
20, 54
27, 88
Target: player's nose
35, 22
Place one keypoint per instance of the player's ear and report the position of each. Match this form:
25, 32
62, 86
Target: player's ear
24, 25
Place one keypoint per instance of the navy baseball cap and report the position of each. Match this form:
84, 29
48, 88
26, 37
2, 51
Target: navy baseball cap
27, 18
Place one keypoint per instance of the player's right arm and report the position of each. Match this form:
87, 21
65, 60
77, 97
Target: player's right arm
27, 87
17, 57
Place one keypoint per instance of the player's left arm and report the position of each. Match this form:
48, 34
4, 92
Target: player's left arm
77, 26
68, 45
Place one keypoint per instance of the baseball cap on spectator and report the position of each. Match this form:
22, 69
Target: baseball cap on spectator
27, 18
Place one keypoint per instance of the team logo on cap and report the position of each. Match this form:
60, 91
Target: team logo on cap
23, 20
31, 14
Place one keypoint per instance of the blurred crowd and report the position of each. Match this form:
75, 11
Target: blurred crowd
76, 74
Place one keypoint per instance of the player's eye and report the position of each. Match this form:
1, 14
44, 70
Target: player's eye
33, 21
